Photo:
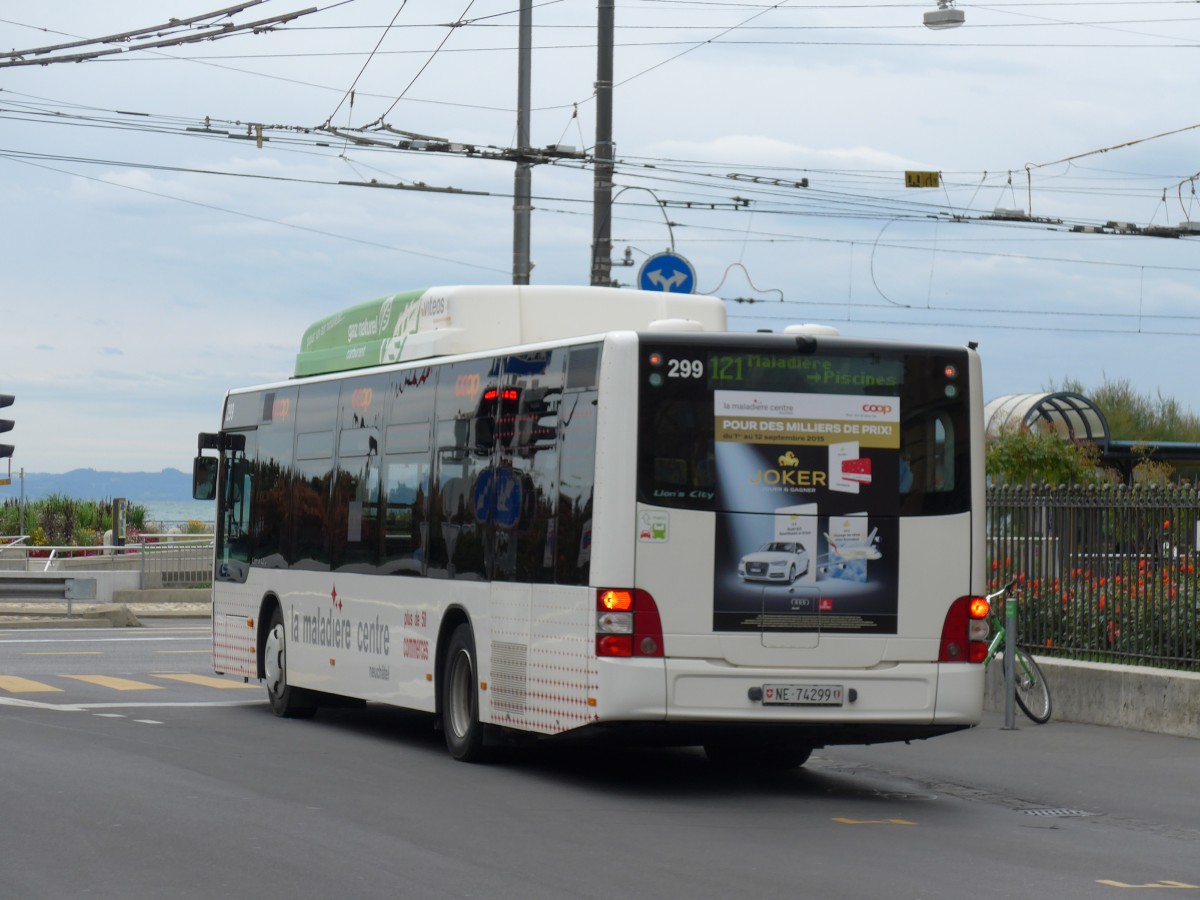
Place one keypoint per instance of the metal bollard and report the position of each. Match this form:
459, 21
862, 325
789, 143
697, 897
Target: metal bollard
1010, 661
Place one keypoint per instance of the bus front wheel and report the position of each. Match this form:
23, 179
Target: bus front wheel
286, 701
460, 698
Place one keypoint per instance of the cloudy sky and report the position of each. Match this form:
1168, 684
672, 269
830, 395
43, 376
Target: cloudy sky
156, 254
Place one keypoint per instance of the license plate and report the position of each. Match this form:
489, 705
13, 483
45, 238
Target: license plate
803, 694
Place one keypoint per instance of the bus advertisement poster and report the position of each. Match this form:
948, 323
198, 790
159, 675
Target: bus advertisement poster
810, 488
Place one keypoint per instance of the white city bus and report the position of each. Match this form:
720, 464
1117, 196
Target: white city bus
569, 511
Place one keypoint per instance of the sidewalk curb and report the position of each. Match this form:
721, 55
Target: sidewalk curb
92, 615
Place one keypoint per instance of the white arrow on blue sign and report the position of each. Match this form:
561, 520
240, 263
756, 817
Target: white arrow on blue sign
667, 272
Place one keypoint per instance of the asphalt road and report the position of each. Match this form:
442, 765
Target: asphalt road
193, 790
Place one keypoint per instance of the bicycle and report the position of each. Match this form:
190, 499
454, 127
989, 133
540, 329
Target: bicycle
1032, 689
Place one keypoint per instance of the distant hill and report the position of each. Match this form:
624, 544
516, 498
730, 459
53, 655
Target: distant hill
90, 484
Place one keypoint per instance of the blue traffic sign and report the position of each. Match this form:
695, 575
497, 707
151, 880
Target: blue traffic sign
667, 272
498, 497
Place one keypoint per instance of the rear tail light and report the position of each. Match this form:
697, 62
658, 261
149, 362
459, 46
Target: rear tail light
965, 631
627, 623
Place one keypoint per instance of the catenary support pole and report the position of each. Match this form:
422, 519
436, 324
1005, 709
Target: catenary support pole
603, 185
522, 186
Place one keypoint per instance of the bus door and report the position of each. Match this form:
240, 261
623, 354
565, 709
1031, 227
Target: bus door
235, 486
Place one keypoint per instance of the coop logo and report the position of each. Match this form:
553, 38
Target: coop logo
467, 386
876, 408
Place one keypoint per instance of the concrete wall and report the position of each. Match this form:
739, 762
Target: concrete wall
130, 563
108, 583
1144, 699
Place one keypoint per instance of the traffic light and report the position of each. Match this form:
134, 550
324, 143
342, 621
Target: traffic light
6, 450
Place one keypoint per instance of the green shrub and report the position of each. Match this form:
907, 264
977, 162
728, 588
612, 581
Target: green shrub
64, 521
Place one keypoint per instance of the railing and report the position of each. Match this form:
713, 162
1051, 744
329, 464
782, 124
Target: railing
163, 561
177, 562
1106, 574
39, 587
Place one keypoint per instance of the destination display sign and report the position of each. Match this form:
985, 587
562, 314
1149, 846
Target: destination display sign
793, 372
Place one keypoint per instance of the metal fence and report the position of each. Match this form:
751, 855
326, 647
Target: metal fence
177, 562
1105, 574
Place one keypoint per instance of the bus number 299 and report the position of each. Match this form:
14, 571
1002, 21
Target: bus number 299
685, 368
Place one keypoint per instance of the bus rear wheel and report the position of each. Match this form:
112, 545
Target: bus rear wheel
286, 701
460, 698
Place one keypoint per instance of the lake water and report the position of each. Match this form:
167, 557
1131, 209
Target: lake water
177, 512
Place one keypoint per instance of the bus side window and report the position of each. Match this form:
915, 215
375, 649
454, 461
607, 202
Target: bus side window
576, 485
313, 474
460, 513
406, 471
406, 487
271, 527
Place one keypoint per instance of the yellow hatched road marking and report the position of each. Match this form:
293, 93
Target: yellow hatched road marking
210, 681
117, 684
15, 684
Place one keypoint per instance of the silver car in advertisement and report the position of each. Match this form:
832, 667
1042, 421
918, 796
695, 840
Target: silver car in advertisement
782, 561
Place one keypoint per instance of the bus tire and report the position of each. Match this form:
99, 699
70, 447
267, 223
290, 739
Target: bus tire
460, 698
286, 701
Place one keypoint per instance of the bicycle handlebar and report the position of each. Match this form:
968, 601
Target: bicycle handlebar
1002, 592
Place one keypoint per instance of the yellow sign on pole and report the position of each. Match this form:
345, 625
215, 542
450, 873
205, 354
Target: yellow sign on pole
921, 179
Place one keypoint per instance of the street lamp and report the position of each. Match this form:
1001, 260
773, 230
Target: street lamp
945, 16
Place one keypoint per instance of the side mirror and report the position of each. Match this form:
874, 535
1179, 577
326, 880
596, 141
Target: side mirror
204, 477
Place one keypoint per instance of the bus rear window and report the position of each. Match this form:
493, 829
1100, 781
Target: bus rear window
760, 422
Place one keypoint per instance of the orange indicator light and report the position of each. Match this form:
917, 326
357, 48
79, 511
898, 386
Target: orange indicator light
617, 600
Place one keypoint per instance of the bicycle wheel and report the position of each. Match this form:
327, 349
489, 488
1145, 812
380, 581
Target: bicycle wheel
1033, 692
